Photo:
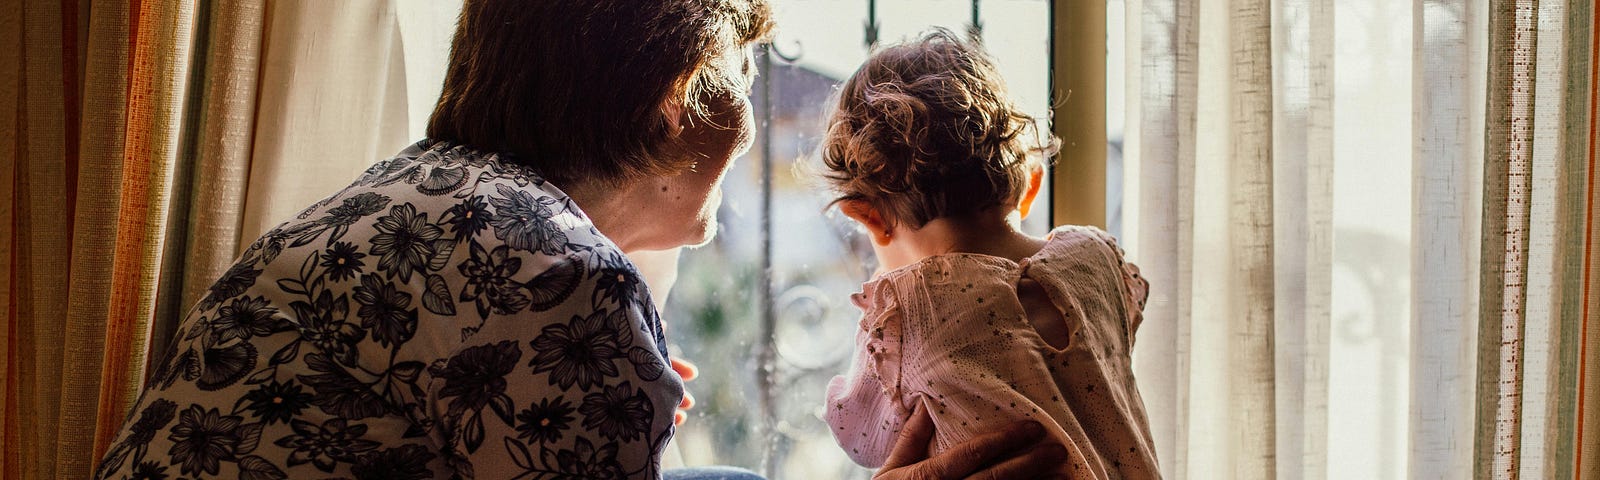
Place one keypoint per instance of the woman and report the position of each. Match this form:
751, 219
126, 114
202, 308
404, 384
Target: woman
465, 308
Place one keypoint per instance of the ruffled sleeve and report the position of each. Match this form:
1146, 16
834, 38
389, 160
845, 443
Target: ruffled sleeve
1136, 289
864, 411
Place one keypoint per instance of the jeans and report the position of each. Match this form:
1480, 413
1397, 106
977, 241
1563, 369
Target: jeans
709, 473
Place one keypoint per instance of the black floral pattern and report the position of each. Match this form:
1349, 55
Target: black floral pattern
585, 461
149, 471
323, 324
468, 217
385, 311
155, 417
275, 402
476, 376
342, 261
489, 285
247, 317
202, 439
325, 445
356, 207
617, 412
223, 366
233, 282
544, 421
408, 462
404, 243
581, 352
335, 348
339, 393
524, 221
617, 282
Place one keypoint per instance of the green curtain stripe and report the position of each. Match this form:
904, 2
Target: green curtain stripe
1572, 181
1507, 195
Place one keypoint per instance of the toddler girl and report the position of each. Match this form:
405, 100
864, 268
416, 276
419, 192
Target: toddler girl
981, 324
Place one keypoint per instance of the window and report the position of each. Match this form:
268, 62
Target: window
764, 309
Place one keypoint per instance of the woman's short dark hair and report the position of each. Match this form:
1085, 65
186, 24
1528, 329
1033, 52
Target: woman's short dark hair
574, 88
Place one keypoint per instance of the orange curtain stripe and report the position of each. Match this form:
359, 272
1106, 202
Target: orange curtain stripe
1584, 360
157, 92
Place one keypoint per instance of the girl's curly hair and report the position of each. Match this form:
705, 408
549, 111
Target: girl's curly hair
925, 130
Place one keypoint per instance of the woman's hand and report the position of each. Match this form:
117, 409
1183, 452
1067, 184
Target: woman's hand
688, 371
1018, 451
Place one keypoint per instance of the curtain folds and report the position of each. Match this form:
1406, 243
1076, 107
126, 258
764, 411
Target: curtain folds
40, 256
1162, 88
1580, 307
1582, 131
1250, 225
333, 86
1573, 155
204, 236
134, 132
1447, 125
1507, 192
1396, 204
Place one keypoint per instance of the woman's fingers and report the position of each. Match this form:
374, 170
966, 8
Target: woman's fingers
985, 457
1046, 460
685, 369
688, 372
912, 447
973, 455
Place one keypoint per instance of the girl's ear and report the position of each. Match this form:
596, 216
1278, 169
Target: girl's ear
1035, 177
864, 213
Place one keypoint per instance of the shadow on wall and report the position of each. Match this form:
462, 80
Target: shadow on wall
1369, 343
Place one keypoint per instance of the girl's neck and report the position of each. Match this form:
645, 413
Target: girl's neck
993, 232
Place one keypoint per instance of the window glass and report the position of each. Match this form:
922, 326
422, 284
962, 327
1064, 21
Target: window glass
763, 376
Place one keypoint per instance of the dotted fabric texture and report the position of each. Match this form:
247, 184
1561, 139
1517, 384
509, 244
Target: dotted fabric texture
950, 332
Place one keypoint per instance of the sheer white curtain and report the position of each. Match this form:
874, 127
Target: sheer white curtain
343, 85
1361, 220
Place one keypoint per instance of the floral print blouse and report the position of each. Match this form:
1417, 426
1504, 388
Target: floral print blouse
450, 314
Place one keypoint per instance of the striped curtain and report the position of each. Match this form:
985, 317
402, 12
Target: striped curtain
140, 142
1375, 225
92, 171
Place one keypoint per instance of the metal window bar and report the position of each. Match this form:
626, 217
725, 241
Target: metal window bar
768, 372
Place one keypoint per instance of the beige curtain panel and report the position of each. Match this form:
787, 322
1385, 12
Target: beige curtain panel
141, 142
1375, 223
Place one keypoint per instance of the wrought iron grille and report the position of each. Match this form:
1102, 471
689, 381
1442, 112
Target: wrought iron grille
765, 306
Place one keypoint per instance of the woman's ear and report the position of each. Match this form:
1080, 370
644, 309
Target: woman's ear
1035, 177
674, 113
864, 213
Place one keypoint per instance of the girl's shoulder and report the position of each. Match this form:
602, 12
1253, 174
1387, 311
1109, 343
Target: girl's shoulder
1077, 244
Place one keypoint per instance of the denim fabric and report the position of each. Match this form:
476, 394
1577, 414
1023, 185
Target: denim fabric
710, 473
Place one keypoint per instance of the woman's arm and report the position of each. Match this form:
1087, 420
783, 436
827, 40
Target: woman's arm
1021, 450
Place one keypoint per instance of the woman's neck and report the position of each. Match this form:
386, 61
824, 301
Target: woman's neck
615, 211
992, 232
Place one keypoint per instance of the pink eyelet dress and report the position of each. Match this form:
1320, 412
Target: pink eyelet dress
950, 332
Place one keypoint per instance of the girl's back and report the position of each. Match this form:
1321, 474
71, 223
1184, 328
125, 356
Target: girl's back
983, 341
